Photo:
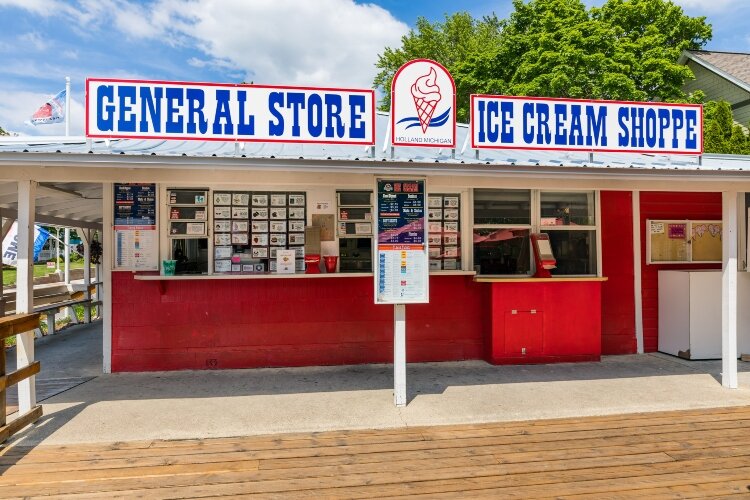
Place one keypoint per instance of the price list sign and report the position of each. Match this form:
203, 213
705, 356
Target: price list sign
402, 270
136, 243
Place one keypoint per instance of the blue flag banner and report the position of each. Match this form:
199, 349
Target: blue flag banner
541, 123
53, 111
10, 244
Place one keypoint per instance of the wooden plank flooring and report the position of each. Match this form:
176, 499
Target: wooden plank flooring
687, 454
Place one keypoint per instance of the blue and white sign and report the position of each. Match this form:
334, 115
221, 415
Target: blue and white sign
531, 123
10, 244
226, 112
423, 106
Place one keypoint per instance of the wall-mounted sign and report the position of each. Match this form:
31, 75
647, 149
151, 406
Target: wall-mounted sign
226, 112
401, 269
136, 246
423, 106
502, 122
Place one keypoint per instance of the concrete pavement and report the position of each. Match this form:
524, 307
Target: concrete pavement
181, 405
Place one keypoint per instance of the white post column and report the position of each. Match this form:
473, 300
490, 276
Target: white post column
399, 354
637, 288
86, 239
106, 276
729, 290
67, 256
25, 290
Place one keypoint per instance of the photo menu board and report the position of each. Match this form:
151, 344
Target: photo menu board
136, 243
250, 227
402, 271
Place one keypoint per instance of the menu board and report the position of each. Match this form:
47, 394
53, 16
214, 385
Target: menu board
683, 241
402, 272
135, 206
443, 226
251, 227
136, 245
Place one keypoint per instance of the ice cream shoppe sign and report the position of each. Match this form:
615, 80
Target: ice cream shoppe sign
503, 122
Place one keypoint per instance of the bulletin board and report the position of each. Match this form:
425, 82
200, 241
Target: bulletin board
683, 241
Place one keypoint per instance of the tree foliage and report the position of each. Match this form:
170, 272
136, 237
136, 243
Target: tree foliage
3, 132
626, 49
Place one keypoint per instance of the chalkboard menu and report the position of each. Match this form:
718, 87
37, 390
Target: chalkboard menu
401, 275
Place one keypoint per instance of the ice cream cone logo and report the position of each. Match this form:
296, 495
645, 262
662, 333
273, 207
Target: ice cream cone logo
426, 95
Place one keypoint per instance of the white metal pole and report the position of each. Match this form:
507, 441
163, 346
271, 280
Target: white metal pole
729, 290
86, 238
399, 354
67, 106
57, 250
67, 256
25, 289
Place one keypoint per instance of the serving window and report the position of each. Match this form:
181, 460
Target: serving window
505, 218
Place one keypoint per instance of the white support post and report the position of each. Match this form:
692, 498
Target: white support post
67, 106
399, 354
67, 256
637, 287
86, 238
106, 276
729, 290
25, 290
57, 251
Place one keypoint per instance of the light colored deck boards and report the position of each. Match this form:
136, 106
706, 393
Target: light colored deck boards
696, 453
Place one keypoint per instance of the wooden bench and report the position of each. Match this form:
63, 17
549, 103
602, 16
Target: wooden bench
10, 326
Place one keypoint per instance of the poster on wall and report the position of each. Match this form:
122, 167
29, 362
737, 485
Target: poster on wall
401, 269
136, 245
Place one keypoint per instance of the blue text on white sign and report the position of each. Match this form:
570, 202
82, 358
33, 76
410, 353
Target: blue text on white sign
504, 122
226, 112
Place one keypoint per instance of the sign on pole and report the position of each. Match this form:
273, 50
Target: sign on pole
402, 269
423, 106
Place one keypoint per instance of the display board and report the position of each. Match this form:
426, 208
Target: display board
683, 241
401, 266
250, 227
444, 228
136, 242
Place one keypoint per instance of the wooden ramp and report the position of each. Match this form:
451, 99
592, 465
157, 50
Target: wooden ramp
683, 454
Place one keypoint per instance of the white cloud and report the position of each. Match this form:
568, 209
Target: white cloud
35, 40
327, 42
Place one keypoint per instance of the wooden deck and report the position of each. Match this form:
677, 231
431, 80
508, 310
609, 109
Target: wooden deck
656, 455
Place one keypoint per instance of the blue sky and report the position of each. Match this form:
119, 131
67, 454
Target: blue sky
314, 42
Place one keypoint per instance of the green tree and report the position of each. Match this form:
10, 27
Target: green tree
3, 132
626, 49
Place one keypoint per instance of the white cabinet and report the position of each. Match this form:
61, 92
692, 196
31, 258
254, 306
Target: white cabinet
690, 313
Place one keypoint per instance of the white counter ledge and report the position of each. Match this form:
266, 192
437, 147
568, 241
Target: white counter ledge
185, 277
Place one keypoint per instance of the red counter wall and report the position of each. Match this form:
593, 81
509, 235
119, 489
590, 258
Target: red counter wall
249, 323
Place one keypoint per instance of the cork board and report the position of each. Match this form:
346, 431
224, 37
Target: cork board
678, 241
326, 223
706, 241
668, 242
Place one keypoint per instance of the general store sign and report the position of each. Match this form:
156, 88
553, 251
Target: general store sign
530, 123
226, 112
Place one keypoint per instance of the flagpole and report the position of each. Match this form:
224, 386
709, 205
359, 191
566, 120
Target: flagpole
67, 106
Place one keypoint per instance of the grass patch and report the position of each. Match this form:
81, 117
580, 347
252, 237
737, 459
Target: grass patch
40, 270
